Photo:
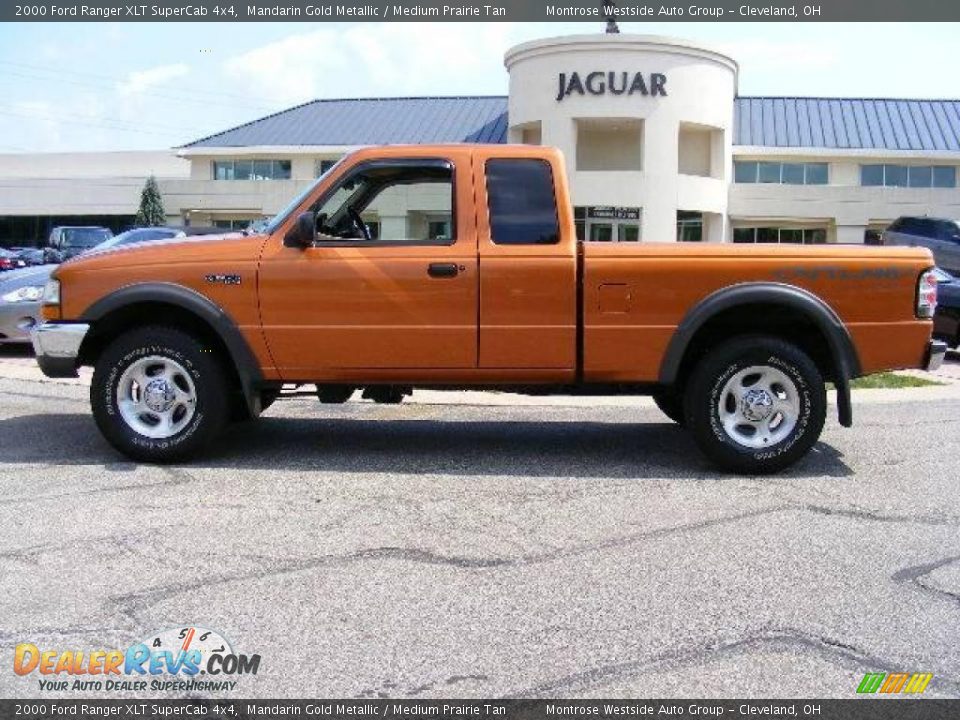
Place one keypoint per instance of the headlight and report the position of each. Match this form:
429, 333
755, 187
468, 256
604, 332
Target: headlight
31, 293
51, 292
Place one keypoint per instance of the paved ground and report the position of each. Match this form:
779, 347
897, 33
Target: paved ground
462, 550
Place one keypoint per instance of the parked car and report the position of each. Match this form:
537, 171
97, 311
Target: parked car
737, 343
34, 256
20, 293
148, 234
10, 260
940, 235
19, 299
946, 320
69, 241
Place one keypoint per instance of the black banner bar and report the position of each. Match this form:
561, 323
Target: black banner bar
485, 11
892, 708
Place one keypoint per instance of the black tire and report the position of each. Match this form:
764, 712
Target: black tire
211, 408
671, 405
334, 394
706, 390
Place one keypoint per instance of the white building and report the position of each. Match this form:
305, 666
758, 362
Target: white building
659, 146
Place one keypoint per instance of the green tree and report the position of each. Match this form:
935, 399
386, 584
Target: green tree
151, 212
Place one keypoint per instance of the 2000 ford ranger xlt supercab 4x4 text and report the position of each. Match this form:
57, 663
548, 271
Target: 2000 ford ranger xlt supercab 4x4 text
459, 267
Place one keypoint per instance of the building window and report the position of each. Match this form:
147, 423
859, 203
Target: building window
230, 224
251, 170
797, 236
915, 176
689, 226
606, 223
780, 173
321, 167
523, 209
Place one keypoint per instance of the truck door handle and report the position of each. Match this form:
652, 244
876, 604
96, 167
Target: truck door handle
442, 270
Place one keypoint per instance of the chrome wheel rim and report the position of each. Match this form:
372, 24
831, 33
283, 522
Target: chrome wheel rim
759, 407
156, 397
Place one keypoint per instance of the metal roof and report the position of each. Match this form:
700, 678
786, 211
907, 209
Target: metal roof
879, 124
833, 123
374, 121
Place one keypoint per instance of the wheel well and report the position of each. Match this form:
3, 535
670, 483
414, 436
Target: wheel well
118, 321
781, 321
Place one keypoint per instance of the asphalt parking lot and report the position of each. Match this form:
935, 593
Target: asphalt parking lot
460, 550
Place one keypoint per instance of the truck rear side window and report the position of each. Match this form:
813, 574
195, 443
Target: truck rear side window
523, 207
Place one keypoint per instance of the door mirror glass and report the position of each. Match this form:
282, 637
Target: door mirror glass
303, 232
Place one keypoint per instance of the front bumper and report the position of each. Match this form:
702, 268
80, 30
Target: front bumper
17, 320
933, 359
57, 346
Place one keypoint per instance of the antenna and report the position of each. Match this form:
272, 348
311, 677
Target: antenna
612, 27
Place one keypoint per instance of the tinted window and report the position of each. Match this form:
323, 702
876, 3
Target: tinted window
944, 177
895, 175
920, 176
871, 175
523, 208
745, 172
769, 172
816, 173
792, 174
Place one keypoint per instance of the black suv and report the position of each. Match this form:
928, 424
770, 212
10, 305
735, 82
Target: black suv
942, 236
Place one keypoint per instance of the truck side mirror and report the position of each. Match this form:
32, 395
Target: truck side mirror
303, 232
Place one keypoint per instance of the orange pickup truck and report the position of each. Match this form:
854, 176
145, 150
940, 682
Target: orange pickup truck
459, 267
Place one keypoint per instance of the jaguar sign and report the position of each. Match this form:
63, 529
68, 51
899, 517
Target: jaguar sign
615, 83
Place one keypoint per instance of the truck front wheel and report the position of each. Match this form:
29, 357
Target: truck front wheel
756, 404
159, 395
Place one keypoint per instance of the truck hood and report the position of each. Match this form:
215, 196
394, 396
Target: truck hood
170, 251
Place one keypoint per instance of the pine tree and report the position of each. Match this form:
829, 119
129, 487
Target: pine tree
151, 212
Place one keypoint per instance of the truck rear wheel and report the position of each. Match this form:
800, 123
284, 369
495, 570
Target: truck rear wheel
159, 395
756, 404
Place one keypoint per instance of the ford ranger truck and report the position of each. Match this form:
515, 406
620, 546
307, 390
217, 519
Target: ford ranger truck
458, 266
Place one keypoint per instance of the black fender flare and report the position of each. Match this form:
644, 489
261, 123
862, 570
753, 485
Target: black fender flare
842, 350
242, 357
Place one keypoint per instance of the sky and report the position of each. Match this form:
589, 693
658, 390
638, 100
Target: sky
139, 86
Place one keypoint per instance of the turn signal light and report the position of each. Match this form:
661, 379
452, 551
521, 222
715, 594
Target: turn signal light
927, 294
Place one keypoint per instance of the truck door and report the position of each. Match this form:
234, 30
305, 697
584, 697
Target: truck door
390, 283
528, 266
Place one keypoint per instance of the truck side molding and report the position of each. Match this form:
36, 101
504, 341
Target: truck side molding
842, 350
242, 357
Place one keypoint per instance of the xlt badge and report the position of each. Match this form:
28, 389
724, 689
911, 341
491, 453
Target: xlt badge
224, 279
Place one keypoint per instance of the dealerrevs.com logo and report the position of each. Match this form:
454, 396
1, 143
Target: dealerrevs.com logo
180, 659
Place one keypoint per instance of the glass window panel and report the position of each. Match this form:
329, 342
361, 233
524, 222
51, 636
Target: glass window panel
815, 236
745, 172
743, 235
920, 176
871, 175
223, 170
767, 235
816, 173
944, 176
601, 232
523, 209
281, 169
792, 174
895, 175
769, 172
243, 169
791, 235
262, 170
628, 233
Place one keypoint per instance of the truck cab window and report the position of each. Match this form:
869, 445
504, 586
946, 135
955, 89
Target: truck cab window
401, 202
523, 208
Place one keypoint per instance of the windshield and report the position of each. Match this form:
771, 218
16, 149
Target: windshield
277, 219
84, 237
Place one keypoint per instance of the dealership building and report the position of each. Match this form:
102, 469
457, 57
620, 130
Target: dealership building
659, 146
